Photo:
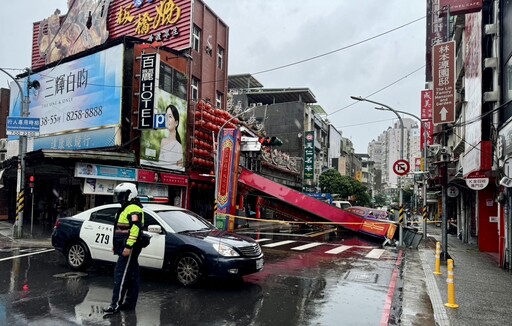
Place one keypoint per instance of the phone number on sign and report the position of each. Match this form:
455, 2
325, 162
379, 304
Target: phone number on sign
84, 114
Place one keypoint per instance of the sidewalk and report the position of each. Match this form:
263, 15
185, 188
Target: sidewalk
483, 290
40, 236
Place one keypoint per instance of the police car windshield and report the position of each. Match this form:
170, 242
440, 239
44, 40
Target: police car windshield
185, 221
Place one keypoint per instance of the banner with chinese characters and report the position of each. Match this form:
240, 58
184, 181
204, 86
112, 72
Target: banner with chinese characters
228, 158
309, 155
89, 23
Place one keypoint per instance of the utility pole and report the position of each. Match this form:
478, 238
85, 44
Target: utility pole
22, 152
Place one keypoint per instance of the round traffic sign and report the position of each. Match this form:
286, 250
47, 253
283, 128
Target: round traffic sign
452, 191
401, 167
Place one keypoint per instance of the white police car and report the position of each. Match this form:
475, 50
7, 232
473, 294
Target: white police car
181, 242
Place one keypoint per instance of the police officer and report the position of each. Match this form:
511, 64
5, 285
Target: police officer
127, 245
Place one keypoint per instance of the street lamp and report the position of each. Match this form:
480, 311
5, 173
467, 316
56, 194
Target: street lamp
400, 228
425, 169
22, 146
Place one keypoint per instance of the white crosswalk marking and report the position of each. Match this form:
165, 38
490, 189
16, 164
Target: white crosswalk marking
375, 253
337, 250
372, 254
262, 240
277, 244
307, 246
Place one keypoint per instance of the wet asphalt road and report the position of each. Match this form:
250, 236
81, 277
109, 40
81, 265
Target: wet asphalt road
305, 286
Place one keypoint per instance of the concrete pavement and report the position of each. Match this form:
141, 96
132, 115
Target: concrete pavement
36, 235
483, 290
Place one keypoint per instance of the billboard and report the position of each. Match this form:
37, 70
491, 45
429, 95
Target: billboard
473, 94
164, 148
84, 27
77, 95
90, 23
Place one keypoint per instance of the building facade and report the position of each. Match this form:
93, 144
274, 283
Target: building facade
118, 97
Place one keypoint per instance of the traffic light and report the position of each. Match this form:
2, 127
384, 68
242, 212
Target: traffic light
31, 181
270, 141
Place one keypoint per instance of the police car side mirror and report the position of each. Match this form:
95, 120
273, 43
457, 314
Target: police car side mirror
155, 229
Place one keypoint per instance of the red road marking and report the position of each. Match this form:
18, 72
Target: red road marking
384, 320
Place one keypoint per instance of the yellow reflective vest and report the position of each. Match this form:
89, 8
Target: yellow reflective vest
132, 219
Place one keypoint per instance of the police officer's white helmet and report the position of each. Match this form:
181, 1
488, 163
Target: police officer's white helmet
125, 191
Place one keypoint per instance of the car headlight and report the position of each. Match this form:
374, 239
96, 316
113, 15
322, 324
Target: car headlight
225, 250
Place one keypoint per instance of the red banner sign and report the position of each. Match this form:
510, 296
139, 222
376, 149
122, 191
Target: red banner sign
159, 177
443, 66
458, 7
428, 126
426, 104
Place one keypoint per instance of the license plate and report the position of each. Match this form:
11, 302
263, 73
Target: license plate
259, 263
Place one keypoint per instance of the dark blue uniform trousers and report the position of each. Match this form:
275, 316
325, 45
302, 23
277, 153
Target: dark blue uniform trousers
126, 280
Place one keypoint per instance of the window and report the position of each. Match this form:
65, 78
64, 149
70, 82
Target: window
220, 57
149, 220
218, 100
173, 81
195, 89
107, 215
196, 38
507, 76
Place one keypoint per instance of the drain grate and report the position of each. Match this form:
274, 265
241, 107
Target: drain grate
361, 277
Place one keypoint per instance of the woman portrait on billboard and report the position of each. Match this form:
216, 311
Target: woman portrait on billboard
171, 150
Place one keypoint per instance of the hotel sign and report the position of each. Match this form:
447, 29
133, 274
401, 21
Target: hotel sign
148, 71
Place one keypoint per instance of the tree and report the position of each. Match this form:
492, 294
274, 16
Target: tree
380, 200
331, 181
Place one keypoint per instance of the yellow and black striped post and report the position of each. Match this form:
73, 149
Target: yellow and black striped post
401, 214
20, 203
424, 213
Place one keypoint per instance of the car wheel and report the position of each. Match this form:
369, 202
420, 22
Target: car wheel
189, 269
78, 256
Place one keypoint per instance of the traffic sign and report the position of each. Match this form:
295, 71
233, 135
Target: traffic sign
401, 167
452, 191
22, 126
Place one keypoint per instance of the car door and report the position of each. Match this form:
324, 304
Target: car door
97, 233
153, 255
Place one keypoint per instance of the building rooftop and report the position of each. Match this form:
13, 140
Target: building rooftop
243, 81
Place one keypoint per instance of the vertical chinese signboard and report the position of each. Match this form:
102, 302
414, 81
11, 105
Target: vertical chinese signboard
427, 127
443, 66
228, 159
148, 65
309, 155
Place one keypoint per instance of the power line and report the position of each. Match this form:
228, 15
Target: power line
365, 123
380, 90
340, 49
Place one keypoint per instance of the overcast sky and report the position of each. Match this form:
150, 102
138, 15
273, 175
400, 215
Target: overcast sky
267, 34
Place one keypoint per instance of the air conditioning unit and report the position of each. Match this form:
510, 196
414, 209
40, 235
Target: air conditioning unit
491, 96
3, 144
490, 29
490, 62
